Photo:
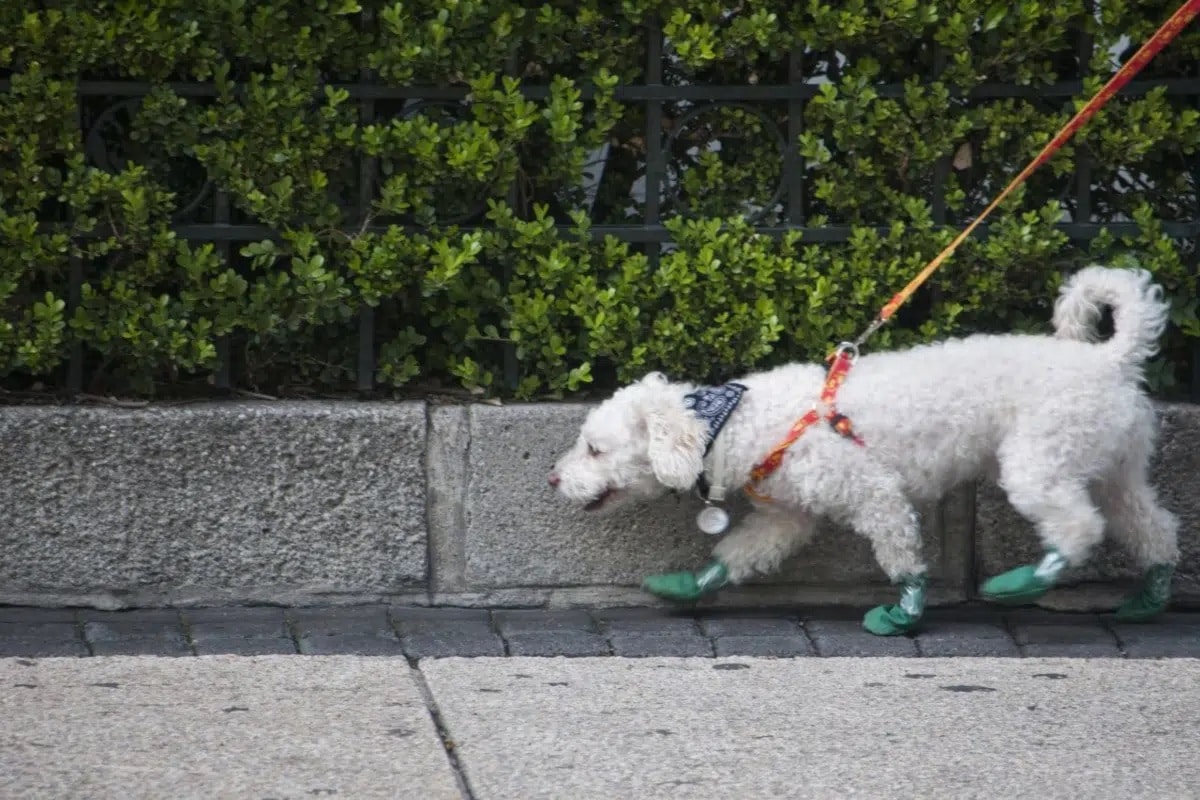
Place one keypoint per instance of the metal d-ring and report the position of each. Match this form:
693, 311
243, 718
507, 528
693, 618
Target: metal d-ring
848, 347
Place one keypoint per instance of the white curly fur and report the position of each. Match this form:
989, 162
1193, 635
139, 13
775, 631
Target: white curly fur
1061, 421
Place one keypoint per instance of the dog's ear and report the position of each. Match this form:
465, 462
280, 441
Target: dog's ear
676, 445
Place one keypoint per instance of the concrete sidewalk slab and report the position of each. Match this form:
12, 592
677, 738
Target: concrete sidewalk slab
821, 728
135, 727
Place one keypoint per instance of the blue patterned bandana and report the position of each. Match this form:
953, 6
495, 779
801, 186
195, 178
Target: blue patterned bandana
714, 405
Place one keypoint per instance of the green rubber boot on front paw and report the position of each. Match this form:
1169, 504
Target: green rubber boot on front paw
1025, 584
687, 586
1153, 597
899, 619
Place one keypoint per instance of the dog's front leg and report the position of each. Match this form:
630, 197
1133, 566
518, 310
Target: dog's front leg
757, 546
885, 516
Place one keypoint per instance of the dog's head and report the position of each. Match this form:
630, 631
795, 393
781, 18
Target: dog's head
637, 445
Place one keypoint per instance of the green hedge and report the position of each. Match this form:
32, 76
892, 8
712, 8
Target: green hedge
453, 293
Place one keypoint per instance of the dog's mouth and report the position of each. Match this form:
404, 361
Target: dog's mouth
604, 497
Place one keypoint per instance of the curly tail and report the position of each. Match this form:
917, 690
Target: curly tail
1139, 312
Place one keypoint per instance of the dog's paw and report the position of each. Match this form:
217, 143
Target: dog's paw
889, 621
1139, 609
1152, 599
687, 586
1017, 586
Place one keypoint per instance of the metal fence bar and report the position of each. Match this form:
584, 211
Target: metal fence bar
941, 167
367, 168
641, 234
655, 161
658, 92
223, 378
366, 355
509, 363
1083, 158
366, 349
75, 289
793, 165
941, 174
74, 298
1194, 393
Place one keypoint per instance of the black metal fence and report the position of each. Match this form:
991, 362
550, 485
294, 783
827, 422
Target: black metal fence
224, 231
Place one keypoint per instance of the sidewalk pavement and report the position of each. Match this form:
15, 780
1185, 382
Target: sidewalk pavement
517, 728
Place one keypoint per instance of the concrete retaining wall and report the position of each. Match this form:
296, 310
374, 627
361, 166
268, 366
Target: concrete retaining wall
354, 502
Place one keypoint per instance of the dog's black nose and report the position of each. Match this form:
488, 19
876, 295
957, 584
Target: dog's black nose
554, 480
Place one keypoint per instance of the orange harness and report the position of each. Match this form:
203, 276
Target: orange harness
826, 409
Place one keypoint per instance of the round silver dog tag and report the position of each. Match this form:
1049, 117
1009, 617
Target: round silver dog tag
712, 520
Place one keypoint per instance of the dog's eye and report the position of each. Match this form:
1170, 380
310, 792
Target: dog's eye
592, 451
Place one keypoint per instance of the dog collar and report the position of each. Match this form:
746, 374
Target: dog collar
714, 405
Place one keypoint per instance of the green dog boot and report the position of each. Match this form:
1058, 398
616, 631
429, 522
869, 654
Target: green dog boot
688, 586
899, 619
1025, 584
1153, 597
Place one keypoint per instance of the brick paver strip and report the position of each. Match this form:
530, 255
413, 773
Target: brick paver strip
350, 644
165, 646
39, 630
364, 621
42, 648
751, 626
846, 638
520, 621
468, 621
41, 633
445, 632
768, 645
120, 626
649, 645
645, 621
1176, 636
558, 643
397, 631
971, 639
236, 623
147, 632
246, 646
24, 615
1042, 634
435, 644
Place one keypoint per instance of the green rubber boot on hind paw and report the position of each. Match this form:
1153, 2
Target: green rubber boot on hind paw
1153, 597
1025, 584
899, 619
688, 586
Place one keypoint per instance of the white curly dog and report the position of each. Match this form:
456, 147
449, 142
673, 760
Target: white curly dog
1060, 421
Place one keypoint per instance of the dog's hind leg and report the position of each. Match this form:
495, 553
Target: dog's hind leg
757, 546
1148, 531
1067, 522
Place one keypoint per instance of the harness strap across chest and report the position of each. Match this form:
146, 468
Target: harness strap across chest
826, 409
